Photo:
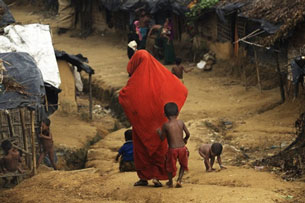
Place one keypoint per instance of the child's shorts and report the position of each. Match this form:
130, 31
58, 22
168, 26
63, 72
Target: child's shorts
127, 166
171, 159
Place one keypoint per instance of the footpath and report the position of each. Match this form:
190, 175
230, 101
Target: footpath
213, 102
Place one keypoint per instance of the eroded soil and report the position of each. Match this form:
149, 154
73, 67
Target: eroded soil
257, 131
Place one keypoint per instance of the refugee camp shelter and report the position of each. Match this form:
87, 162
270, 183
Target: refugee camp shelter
118, 15
266, 23
70, 67
35, 39
22, 95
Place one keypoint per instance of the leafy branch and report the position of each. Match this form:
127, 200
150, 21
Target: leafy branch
201, 5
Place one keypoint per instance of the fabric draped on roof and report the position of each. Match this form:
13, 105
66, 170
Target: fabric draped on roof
77, 60
153, 6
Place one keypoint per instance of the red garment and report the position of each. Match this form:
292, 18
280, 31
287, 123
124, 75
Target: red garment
150, 87
171, 159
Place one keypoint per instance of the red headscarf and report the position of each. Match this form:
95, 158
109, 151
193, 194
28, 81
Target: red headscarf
150, 87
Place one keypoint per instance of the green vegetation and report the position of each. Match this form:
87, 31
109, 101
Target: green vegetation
201, 5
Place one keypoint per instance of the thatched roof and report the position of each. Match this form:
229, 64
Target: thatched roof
286, 13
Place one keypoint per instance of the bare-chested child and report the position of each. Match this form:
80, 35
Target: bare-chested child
11, 161
179, 69
208, 153
47, 143
173, 131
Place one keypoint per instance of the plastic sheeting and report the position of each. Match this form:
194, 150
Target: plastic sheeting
76, 60
36, 40
154, 6
226, 9
229, 8
22, 68
176, 6
7, 18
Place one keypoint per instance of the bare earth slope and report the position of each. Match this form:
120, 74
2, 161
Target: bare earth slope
211, 99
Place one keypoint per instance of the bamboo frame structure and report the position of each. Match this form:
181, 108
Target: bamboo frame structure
259, 82
33, 141
90, 96
18, 126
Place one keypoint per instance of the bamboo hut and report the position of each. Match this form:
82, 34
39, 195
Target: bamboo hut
22, 95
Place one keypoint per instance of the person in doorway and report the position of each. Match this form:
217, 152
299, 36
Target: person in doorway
298, 73
148, 89
208, 152
173, 130
179, 69
164, 41
47, 143
126, 153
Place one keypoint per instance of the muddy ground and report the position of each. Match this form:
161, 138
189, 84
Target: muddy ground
260, 128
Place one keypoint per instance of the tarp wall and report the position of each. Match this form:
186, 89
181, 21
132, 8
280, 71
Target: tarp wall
153, 6
6, 17
21, 67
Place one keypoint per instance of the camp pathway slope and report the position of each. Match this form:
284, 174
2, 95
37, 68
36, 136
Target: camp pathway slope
231, 185
211, 97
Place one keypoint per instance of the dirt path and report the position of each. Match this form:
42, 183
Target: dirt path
211, 99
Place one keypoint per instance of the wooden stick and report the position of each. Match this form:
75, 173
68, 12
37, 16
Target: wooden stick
47, 103
5, 175
1, 127
33, 141
10, 124
25, 138
90, 96
281, 83
26, 152
257, 71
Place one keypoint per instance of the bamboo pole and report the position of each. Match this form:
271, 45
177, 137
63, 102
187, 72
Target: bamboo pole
47, 103
10, 124
6, 175
257, 70
25, 138
90, 96
26, 152
33, 141
1, 127
281, 83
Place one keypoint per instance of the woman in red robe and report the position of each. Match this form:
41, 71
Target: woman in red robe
149, 88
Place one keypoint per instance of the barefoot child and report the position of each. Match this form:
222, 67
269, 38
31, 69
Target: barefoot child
126, 151
47, 143
208, 153
173, 131
11, 161
179, 69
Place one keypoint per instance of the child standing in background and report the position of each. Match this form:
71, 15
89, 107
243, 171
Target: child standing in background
47, 143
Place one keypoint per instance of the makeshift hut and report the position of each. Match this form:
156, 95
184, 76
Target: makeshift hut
70, 67
35, 39
22, 95
118, 15
267, 32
